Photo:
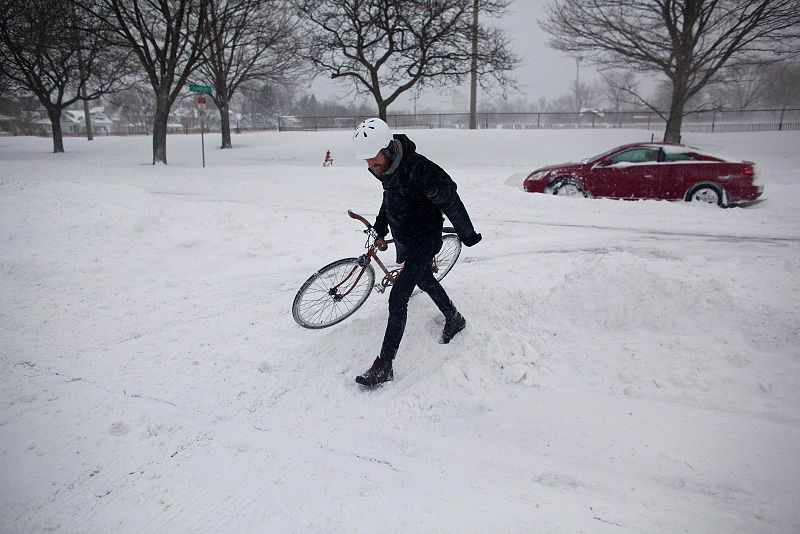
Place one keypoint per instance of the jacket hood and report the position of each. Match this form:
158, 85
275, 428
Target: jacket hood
408, 145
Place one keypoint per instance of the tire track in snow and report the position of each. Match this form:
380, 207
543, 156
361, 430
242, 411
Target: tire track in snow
657, 233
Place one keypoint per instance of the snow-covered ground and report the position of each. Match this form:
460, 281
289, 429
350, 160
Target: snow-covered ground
627, 366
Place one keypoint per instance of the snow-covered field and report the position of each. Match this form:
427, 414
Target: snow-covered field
627, 366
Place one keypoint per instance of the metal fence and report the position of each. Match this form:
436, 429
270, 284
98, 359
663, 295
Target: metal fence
709, 121
759, 120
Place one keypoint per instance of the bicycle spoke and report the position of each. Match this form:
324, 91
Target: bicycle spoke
333, 294
447, 257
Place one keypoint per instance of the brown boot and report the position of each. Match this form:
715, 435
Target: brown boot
380, 372
452, 326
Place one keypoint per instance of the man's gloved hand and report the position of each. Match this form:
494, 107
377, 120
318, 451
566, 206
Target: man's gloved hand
472, 239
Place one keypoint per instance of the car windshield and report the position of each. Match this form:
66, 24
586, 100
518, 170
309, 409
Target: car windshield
599, 156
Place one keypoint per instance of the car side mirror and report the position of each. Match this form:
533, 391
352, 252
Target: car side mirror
606, 163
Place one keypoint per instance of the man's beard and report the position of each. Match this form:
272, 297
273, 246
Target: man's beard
380, 170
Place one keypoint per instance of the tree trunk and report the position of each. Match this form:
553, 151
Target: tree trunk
160, 121
381, 108
672, 134
87, 117
54, 113
82, 71
225, 124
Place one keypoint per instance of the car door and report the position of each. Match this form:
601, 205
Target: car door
683, 169
632, 173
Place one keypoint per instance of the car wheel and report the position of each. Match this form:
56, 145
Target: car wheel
568, 187
707, 194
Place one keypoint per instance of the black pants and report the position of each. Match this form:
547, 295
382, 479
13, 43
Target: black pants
416, 273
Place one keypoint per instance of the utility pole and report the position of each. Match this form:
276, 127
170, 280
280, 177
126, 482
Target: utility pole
578, 83
473, 89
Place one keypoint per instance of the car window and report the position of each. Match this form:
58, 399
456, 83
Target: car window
636, 155
678, 156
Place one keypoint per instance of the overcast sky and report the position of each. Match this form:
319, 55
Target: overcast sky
544, 72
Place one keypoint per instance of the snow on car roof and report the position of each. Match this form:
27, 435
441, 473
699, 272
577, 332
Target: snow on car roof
681, 149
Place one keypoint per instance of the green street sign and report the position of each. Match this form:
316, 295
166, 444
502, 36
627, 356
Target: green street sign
200, 89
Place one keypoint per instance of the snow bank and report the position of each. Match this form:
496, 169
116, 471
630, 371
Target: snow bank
627, 366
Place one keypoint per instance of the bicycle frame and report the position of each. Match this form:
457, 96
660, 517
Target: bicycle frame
364, 261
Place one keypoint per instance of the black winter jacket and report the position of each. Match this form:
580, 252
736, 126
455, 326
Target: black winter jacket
415, 195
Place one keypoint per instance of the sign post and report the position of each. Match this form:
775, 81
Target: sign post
201, 104
201, 111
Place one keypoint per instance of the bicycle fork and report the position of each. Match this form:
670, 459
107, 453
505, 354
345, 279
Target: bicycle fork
363, 263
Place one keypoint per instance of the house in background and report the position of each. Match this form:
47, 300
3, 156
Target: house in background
11, 111
73, 122
106, 120
6, 124
25, 116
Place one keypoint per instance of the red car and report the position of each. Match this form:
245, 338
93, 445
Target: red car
652, 170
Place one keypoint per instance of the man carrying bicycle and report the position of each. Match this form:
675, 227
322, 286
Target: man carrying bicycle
416, 192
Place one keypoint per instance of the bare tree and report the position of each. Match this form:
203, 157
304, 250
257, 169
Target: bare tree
688, 41
617, 89
779, 85
586, 94
167, 36
5, 83
259, 102
386, 47
47, 50
136, 105
738, 88
248, 40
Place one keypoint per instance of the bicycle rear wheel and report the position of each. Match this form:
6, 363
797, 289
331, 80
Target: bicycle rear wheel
333, 293
443, 261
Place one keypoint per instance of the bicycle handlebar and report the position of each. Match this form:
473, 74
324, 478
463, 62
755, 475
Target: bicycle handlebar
358, 217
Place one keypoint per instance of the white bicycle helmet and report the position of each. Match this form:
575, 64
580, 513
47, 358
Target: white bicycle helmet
371, 136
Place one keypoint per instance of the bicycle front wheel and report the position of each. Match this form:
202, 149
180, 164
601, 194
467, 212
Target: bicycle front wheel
333, 293
447, 256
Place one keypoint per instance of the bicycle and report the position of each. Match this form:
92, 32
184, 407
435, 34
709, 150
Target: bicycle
336, 291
